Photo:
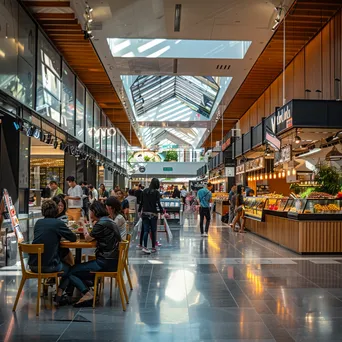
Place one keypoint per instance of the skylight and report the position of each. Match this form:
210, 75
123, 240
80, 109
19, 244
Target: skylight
178, 48
196, 92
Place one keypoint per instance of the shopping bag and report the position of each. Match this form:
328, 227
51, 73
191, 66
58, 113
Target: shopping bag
168, 230
137, 229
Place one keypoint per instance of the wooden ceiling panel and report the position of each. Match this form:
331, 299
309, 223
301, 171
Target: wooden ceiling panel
67, 35
303, 21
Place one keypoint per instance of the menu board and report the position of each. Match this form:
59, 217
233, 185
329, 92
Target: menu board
13, 216
283, 156
255, 164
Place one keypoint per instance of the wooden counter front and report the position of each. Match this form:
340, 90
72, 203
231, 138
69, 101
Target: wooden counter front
300, 236
221, 207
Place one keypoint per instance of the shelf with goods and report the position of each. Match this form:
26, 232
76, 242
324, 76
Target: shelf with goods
173, 208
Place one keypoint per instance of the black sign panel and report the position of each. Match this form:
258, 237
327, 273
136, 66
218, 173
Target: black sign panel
280, 120
257, 135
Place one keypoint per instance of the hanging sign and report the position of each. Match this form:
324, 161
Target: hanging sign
272, 140
283, 156
13, 216
255, 164
280, 120
240, 169
226, 144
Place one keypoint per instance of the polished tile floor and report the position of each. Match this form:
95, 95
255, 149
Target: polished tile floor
228, 287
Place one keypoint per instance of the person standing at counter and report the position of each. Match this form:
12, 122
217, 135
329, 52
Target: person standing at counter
204, 197
74, 198
55, 190
239, 210
232, 192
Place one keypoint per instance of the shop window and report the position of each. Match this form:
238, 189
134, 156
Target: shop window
118, 149
48, 81
103, 133
68, 100
109, 141
97, 120
80, 100
9, 47
114, 148
89, 120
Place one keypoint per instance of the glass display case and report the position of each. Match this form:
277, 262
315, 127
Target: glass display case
315, 206
254, 207
279, 204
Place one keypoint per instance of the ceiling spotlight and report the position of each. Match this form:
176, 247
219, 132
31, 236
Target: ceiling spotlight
90, 20
55, 144
48, 138
62, 146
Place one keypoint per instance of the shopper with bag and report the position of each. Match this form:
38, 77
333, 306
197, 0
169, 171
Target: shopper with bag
239, 210
149, 205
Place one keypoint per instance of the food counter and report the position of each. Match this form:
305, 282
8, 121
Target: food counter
302, 225
220, 200
221, 206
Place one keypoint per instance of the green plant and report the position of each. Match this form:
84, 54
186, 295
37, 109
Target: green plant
147, 158
307, 192
328, 178
295, 188
171, 156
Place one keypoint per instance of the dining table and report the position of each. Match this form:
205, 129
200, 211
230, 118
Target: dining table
78, 245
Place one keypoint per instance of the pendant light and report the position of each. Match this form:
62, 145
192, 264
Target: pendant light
283, 174
261, 176
294, 172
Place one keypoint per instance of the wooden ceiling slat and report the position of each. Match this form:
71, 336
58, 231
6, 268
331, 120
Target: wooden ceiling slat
46, 23
54, 15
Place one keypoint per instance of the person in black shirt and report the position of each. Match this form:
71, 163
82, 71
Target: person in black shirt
85, 198
150, 200
107, 235
176, 193
49, 232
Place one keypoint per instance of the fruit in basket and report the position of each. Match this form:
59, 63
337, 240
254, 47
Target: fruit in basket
79, 230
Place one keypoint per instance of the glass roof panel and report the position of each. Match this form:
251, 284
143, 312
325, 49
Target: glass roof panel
196, 92
178, 48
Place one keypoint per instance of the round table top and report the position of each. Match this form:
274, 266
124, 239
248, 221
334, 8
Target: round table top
78, 244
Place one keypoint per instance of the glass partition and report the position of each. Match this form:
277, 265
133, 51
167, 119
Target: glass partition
118, 149
68, 100
109, 141
97, 120
89, 120
26, 59
80, 99
103, 133
114, 154
48, 81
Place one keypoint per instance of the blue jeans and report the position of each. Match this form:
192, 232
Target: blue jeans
81, 272
150, 223
52, 269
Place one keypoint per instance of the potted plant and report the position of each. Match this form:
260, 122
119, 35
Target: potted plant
147, 158
328, 178
171, 156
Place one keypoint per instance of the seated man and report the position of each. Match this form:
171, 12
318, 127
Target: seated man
107, 235
49, 231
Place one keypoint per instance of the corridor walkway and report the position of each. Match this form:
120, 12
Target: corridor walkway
228, 287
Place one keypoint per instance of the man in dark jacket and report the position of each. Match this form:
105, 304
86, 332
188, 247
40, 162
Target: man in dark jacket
49, 231
138, 193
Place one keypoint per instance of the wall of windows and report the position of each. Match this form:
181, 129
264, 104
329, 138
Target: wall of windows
57, 95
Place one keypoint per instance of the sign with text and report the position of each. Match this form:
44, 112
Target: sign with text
240, 169
283, 156
13, 216
226, 144
280, 120
255, 164
272, 140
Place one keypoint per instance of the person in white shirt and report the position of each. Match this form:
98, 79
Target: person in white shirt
74, 199
93, 194
113, 206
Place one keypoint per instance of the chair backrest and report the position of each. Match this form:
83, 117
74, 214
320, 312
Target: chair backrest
123, 246
128, 239
31, 249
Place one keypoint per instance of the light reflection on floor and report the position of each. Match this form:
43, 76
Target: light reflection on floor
228, 287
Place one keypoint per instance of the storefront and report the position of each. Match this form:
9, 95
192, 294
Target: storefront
295, 172
51, 127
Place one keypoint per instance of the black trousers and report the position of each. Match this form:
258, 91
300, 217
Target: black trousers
204, 213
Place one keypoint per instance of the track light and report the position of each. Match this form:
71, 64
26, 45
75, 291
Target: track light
61, 146
268, 152
297, 139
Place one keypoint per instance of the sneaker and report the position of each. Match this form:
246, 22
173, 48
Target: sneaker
205, 235
139, 247
158, 244
153, 250
146, 251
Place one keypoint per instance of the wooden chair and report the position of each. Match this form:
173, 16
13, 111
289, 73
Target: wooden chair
128, 239
118, 276
33, 249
